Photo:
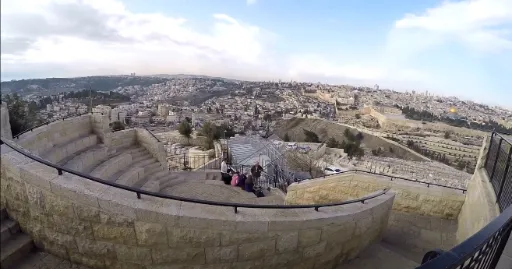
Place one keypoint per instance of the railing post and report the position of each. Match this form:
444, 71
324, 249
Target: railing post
496, 160
499, 250
490, 146
504, 174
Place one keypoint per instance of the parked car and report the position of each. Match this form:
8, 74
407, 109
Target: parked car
332, 170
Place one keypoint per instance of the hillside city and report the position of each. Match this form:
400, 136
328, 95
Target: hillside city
444, 130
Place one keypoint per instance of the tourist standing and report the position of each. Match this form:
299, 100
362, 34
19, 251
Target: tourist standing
256, 170
249, 185
226, 177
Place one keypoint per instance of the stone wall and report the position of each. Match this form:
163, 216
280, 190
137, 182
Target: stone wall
5, 126
480, 206
100, 125
121, 138
411, 197
56, 133
146, 139
105, 227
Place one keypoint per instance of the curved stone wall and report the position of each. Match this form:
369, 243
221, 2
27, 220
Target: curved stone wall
105, 227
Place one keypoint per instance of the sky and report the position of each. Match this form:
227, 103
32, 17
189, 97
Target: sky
450, 48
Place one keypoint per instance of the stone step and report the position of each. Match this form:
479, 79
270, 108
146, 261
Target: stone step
91, 156
14, 249
151, 185
3, 214
132, 176
378, 256
8, 228
112, 166
59, 152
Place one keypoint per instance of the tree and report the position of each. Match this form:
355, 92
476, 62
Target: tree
116, 126
311, 136
358, 116
332, 143
447, 135
267, 117
286, 137
21, 116
211, 132
185, 130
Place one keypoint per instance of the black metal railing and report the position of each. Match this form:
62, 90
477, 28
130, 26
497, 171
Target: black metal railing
483, 250
140, 192
152, 134
498, 165
185, 162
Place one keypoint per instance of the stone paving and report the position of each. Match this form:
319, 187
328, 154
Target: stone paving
43, 260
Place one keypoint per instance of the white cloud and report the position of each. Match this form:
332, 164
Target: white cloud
484, 25
104, 34
251, 2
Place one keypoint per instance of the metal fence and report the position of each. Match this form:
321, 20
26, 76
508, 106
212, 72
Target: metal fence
185, 162
484, 249
498, 167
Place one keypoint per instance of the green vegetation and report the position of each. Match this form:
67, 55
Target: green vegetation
423, 115
351, 144
214, 132
286, 137
97, 97
185, 129
436, 156
311, 136
358, 116
21, 116
447, 135
116, 126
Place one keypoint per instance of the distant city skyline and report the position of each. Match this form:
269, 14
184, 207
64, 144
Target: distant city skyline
450, 48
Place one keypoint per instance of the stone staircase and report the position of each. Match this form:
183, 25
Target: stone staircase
15, 245
382, 256
18, 250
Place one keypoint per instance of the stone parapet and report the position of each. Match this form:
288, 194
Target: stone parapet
58, 132
5, 126
411, 197
106, 227
123, 138
156, 148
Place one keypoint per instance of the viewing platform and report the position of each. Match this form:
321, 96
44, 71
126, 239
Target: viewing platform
103, 199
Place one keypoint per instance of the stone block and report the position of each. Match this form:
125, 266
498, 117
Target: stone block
54, 205
178, 255
283, 260
287, 241
115, 234
235, 237
93, 262
192, 237
116, 219
71, 226
221, 254
338, 233
309, 237
256, 250
248, 265
87, 213
61, 239
116, 264
314, 250
150, 234
89, 247
133, 254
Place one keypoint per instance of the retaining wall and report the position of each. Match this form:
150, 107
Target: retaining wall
55, 133
121, 138
411, 197
480, 207
146, 139
5, 126
105, 227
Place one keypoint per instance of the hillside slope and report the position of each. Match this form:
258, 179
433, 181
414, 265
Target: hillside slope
325, 129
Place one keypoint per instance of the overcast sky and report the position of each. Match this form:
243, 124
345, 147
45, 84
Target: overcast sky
460, 48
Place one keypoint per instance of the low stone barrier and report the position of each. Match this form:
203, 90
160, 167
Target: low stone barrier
57, 132
146, 139
411, 197
105, 227
121, 138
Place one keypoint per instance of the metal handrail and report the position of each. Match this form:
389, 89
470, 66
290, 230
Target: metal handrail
152, 134
467, 249
61, 169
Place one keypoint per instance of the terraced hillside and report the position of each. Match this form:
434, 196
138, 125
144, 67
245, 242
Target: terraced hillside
325, 129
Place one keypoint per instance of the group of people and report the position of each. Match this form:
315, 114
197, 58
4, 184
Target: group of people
244, 179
